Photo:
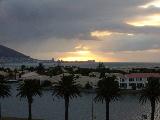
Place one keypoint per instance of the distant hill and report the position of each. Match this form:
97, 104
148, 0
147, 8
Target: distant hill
8, 52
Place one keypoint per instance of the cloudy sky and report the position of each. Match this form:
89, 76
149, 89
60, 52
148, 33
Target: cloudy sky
104, 30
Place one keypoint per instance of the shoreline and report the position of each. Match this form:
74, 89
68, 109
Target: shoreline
93, 91
123, 92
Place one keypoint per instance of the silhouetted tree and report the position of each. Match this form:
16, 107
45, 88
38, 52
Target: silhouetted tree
88, 86
40, 69
66, 88
107, 90
28, 89
15, 73
101, 69
4, 91
23, 68
151, 93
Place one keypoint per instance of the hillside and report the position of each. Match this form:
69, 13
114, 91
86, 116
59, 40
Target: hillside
8, 52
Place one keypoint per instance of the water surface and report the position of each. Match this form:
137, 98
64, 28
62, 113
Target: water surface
128, 108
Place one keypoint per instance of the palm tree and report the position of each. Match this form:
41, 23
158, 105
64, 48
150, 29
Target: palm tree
107, 90
40, 69
4, 91
15, 73
151, 93
23, 67
28, 89
66, 88
101, 68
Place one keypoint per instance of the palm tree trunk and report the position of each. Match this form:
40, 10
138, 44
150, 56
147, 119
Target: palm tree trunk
0, 112
107, 110
15, 76
66, 107
29, 111
92, 110
153, 109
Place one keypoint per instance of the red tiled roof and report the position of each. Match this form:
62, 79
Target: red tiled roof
142, 75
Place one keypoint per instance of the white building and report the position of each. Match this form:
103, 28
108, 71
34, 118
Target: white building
135, 81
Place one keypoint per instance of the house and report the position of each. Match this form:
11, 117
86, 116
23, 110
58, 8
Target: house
34, 75
135, 81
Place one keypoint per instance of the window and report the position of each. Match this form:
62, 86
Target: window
131, 79
133, 85
123, 85
139, 85
138, 79
122, 80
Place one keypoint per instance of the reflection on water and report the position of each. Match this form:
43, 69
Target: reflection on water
128, 108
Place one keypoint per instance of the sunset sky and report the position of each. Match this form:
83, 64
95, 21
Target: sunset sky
103, 30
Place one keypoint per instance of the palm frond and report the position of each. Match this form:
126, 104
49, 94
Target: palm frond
29, 88
4, 89
66, 87
151, 91
107, 90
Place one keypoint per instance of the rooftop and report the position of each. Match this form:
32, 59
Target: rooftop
142, 75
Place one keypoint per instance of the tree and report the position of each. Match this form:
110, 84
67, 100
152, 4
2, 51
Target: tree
58, 69
40, 69
28, 89
107, 90
31, 69
66, 88
102, 69
15, 73
46, 83
151, 93
101, 65
51, 72
23, 67
4, 91
88, 86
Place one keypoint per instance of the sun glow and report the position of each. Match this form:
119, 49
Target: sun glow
76, 59
80, 55
151, 20
87, 55
85, 52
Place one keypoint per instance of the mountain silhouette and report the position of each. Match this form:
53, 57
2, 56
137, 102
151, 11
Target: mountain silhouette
8, 52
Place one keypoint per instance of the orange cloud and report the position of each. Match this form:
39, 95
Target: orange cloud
100, 34
151, 20
155, 3
104, 34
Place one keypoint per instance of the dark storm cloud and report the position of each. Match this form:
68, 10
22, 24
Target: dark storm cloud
36, 21
22, 20
26, 20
